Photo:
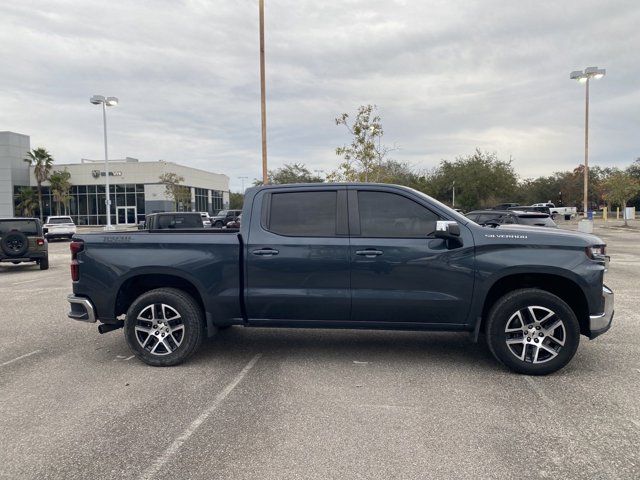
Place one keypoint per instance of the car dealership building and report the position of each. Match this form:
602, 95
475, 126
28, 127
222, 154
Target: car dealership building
135, 186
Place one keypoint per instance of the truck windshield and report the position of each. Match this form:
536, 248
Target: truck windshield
28, 227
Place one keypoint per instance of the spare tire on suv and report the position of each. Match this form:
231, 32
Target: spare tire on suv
14, 244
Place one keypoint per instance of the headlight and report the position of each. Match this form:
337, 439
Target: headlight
596, 251
599, 254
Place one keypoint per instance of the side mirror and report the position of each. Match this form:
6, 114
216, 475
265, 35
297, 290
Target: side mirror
447, 229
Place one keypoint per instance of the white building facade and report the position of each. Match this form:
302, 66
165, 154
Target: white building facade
135, 187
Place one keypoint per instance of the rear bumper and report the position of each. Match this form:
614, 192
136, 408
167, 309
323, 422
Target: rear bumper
600, 323
31, 257
81, 309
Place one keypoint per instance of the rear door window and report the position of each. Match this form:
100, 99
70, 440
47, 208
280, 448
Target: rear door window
304, 214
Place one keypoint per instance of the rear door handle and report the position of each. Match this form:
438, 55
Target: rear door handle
369, 253
265, 252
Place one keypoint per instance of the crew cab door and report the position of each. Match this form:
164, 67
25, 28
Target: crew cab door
297, 256
400, 272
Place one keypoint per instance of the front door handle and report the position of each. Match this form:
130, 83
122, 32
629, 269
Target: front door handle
265, 252
369, 253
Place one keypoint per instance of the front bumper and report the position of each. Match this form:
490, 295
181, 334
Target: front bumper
81, 309
600, 323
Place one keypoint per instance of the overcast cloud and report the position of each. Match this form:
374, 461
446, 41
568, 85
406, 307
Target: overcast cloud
447, 76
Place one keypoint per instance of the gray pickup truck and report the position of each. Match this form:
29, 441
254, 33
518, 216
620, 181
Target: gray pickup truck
363, 256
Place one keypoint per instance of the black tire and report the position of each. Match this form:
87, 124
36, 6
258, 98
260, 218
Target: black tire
177, 348
218, 224
14, 244
521, 309
44, 263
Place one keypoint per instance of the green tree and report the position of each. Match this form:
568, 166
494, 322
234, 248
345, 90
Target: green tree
42, 161
634, 171
291, 173
60, 184
174, 189
619, 188
481, 180
365, 155
27, 201
236, 200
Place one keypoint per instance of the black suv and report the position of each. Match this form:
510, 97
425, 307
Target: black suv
505, 217
223, 217
22, 240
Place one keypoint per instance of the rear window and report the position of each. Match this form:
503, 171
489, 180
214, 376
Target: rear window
536, 220
55, 220
180, 221
28, 227
304, 214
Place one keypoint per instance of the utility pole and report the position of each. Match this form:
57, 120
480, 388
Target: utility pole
263, 100
243, 179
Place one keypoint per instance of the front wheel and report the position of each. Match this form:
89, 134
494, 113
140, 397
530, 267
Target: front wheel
532, 331
164, 327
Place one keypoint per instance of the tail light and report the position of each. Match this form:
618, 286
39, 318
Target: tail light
40, 241
75, 246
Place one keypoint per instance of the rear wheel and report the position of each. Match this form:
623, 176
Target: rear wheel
532, 331
218, 224
44, 263
164, 327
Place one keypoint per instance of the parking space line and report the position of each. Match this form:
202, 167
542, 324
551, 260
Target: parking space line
178, 442
20, 358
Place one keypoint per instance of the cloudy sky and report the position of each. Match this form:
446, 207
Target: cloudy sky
447, 76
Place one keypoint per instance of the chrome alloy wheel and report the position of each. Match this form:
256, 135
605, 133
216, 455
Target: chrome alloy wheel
159, 329
535, 334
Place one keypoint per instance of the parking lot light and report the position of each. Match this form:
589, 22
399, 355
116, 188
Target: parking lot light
105, 102
583, 76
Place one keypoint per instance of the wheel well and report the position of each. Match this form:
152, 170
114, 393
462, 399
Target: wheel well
133, 287
562, 287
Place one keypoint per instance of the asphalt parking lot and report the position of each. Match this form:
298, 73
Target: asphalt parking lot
309, 404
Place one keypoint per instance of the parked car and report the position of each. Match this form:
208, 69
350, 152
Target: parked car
347, 256
235, 223
206, 220
22, 240
567, 212
59, 227
507, 217
533, 208
505, 206
173, 220
223, 217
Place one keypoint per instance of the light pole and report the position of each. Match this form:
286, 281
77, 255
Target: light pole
263, 96
243, 179
453, 200
106, 102
584, 77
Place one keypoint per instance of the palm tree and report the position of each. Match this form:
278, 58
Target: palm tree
27, 201
60, 186
42, 161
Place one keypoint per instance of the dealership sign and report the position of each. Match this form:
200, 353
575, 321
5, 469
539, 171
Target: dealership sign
98, 173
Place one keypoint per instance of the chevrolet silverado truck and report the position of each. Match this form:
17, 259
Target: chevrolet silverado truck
358, 256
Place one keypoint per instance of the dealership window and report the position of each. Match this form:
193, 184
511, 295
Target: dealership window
202, 200
216, 201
